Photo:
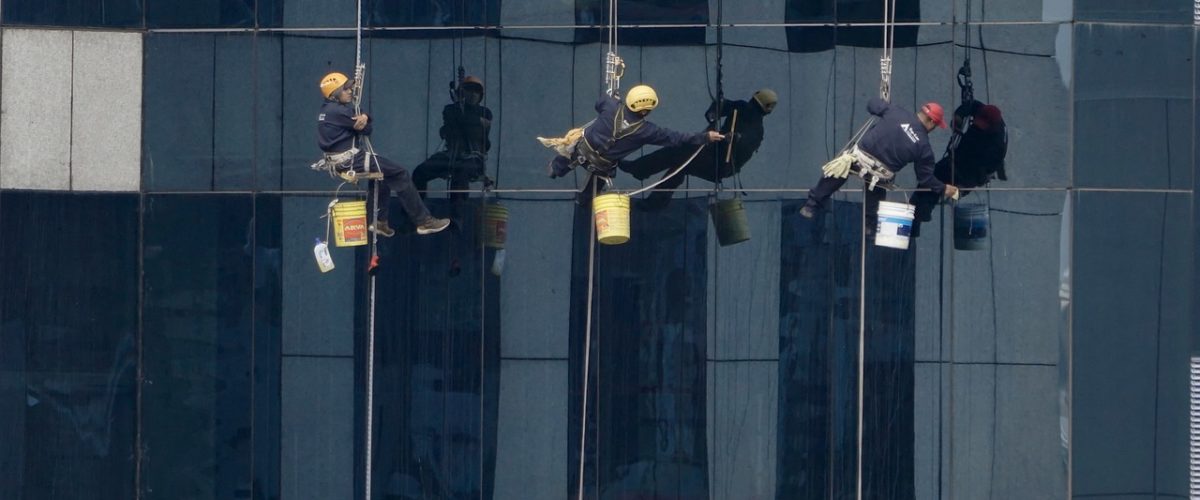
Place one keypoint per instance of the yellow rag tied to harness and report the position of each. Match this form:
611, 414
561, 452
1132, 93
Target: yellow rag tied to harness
564, 145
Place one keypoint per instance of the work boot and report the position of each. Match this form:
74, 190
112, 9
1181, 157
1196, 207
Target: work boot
432, 225
808, 212
381, 228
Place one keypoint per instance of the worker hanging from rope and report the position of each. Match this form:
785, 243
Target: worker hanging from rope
898, 138
974, 156
743, 126
466, 125
338, 130
619, 129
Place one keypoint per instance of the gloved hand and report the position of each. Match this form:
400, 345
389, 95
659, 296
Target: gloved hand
951, 192
839, 167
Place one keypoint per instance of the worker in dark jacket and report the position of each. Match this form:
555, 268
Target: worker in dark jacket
338, 127
466, 124
746, 135
619, 130
977, 158
899, 137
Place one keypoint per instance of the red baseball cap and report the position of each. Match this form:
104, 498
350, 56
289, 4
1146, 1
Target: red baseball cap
934, 111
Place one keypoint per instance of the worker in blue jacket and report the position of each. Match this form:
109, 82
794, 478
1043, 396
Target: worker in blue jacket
899, 137
338, 127
621, 129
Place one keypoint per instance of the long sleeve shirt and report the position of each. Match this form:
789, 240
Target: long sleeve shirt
335, 127
631, 131
465, 128
749, 127
899, 138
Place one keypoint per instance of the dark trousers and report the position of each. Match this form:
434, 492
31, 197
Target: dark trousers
704, 166
819, 195
396, 178
460, 172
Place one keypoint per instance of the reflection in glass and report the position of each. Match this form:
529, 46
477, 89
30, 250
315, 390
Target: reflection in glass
68, 348
646, 423
818, 360
196, 347
89, 13
437, 362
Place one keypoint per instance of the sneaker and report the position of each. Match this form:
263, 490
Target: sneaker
433, 225
807, 212
381, 228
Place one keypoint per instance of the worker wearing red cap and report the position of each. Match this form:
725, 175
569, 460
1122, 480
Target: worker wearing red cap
978, 156
899, 137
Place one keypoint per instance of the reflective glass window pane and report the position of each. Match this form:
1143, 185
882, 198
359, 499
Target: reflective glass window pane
267, 358
1132, 296
981, 11
199, 13
178, 111
992, 325
89, 13
594, 14
234, 111
68, 345
1151, 11
534, 310
818, 359
436, 334
196, 351
646, 412
1133, 86
308, 14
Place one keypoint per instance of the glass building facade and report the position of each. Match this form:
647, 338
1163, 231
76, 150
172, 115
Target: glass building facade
165, 333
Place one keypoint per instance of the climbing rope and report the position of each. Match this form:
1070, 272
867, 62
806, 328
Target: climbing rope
614, 68
373, 188
885, 82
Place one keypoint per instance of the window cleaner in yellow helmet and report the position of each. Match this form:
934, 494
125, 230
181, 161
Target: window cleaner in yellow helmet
743, 123
338, 127
621, 128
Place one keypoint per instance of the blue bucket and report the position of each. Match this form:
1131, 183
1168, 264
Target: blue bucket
970, 226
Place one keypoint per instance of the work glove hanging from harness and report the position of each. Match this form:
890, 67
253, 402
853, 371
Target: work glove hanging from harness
839, 167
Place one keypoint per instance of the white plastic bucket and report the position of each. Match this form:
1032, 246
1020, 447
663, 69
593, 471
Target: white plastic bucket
895, 225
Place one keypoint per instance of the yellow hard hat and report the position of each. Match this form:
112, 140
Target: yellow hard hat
641, 98
766, 99
332, 82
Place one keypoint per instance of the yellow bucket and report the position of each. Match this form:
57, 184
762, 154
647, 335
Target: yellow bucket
349, 223
611, 212
494, 226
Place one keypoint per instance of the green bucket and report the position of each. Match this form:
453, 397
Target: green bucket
729, 217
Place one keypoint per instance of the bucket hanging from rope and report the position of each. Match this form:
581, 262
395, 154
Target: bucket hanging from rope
971, 223
611, 214
895, 224
729, 219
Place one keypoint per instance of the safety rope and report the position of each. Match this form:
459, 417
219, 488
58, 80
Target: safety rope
614, 68
373, 188
587, 346
885, 82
